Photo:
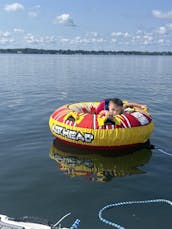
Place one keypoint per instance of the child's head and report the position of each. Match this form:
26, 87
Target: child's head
115, 106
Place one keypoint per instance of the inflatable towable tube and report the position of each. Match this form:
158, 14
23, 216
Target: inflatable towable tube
77, 124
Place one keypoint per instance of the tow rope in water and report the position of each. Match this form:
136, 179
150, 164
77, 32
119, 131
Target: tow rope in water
127, 203
162, 151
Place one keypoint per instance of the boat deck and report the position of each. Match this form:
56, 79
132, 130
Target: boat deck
9, 226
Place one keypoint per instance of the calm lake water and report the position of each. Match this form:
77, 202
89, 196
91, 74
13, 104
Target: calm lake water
34, 184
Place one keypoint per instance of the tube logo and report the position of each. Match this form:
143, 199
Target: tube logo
72, 134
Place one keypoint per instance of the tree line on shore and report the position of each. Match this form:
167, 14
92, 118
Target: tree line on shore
81, 52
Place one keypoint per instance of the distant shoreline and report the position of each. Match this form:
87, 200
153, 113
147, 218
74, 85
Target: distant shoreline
80, 52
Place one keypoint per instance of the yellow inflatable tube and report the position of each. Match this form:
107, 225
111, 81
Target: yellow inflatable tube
77, 124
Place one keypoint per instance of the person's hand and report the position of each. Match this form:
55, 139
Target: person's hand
104, 113
107, 114
143, 106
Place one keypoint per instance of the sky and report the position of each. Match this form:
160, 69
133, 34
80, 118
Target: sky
114, 25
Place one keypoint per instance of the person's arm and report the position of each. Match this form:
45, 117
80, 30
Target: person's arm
100, 107
141, 106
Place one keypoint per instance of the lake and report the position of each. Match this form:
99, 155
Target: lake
40, 178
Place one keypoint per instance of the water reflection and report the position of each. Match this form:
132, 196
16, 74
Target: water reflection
98, 166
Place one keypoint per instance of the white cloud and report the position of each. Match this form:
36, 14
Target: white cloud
147, 40
100, 40
162, 15
34, 11
161, 41
18, 30
169, 26
162, 30
13, 7
4, 34
116, 34
36, 7
142, 38
126, 34
139, 31
120, 34
5, 38
65, 40
114, 40
79, 40
94, 34
82, 40
33, 14
138, 37
31, 39
64, 19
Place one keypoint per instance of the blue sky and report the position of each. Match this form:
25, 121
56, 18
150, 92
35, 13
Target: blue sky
88, 25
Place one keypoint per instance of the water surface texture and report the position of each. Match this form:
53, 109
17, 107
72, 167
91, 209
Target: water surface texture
34, 183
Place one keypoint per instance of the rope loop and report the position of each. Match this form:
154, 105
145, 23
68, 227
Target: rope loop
127, 203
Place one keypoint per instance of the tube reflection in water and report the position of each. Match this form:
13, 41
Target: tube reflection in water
98, 166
